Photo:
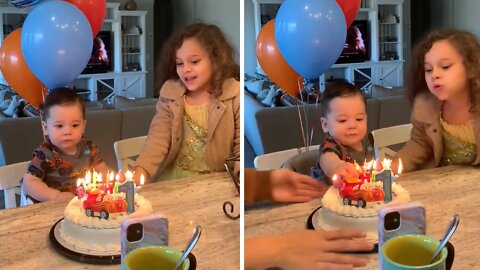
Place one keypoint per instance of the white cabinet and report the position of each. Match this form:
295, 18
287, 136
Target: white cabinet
389, 74
359, 74
132, 41
127, 77
131, 85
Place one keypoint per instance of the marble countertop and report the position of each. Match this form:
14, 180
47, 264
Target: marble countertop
24, 242
443, 191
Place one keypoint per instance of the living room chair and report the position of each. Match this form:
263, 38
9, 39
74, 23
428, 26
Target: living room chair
10, 177
384, 137
275, 160
126, 151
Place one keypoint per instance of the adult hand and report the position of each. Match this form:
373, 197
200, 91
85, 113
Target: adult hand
289, 186
322, 249
307, 250
346, 170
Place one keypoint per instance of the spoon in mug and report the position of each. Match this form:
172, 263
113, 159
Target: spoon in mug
191, 244
450, 230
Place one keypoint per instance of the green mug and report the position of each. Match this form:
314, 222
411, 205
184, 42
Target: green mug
154, 257
413, 251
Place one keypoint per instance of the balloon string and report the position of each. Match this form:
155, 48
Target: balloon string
44, 92
317, 98
300, 116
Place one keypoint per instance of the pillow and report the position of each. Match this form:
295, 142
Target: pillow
255, 86
270, 98
120, 102
262, 94
380, 91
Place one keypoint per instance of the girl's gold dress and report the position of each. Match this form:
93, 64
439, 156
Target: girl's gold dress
191, 160
459, 146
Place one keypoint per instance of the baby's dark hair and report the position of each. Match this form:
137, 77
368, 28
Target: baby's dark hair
465, 43
219, 50
338, 89
61, 96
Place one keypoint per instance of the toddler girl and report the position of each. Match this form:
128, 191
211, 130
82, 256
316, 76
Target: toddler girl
444, 90
197, 123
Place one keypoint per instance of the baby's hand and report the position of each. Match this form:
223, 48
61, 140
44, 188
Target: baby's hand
346, 170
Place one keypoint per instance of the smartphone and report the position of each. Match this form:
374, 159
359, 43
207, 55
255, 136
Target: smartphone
140, 231
400, 219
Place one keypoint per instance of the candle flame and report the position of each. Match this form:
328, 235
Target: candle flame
370, 164
129, 175
88, 177
111, 176
334, 178
357, 167
142, 180
400, 166
99, 177
386, 163
79, 181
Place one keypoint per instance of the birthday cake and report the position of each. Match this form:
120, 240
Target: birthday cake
354, 203
92, 219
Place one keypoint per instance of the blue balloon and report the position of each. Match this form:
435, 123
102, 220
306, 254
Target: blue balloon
310, 35
56, 42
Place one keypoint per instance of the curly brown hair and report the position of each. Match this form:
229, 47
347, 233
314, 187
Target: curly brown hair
212, 39
466, 45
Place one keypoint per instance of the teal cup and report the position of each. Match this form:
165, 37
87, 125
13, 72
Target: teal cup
412, 251
154, 257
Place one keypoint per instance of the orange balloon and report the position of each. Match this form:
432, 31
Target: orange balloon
273, 64
16, 72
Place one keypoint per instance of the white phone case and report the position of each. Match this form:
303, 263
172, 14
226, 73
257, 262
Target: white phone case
155, 232
412, 221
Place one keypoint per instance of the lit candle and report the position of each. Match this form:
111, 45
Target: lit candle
94, 180
108, 187
88, 179
399, 169
142, 182
100, 184
80, 189
115, 188
120, 177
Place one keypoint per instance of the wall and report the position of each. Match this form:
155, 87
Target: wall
250, 57
224, 13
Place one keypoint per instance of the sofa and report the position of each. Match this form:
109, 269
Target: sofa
106, 123
271, 129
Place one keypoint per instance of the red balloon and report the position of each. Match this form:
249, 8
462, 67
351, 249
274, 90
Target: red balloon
350, 9
94, 10
16, 71
273, 64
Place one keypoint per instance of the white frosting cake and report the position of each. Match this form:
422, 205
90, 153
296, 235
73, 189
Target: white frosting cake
335, 215
94, 234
